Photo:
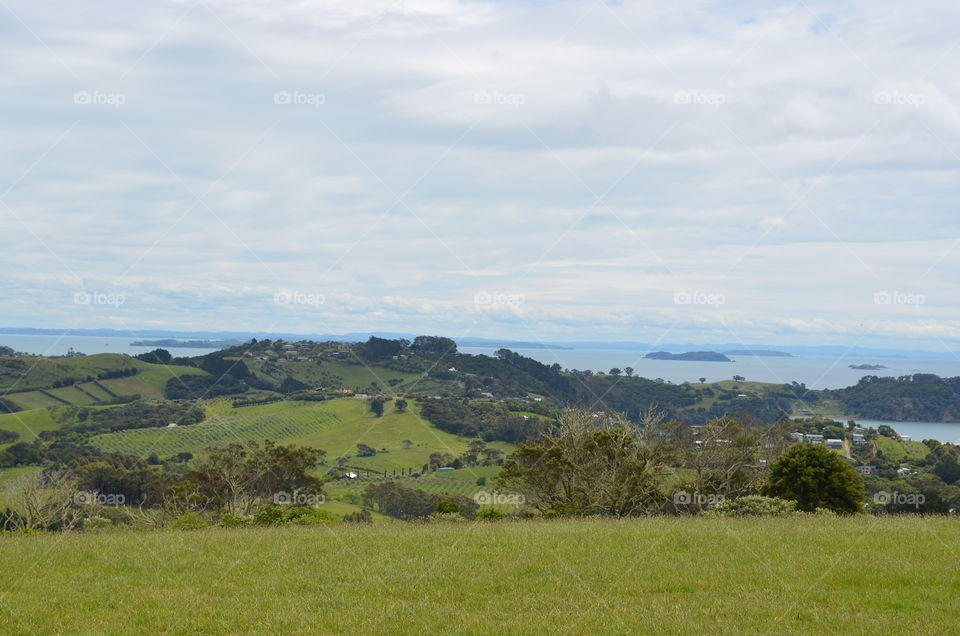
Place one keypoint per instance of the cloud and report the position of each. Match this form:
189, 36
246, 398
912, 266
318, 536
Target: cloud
398, 158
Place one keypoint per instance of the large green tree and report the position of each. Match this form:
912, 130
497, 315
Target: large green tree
815, 477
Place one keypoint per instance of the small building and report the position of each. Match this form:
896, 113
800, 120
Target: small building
796, 436
835, 443
813, 438
905, 438
859, 440
859, 430
903, 471
445, 469
865, 470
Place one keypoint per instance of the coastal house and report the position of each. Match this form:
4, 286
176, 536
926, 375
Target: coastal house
859, 440
813, 438
835, 443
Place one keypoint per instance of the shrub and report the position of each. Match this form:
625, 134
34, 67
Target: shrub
230, 520
489, 514
361, 516
445, 506
269, 516
189, 521
753, 506
307, 516
95, 523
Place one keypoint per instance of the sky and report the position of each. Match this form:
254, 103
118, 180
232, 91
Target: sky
660, 172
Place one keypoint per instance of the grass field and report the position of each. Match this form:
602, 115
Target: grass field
901, 451
336, 426
27, 423
664, 575
149, 382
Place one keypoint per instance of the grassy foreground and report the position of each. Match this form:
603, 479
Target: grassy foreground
808, 575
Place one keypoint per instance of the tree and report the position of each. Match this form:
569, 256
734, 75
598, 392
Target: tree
365, 451
401, 404
615, 371
739, 378
407, 443
239, 477
731, 460
703, 380
815, 477
376, 405
628, 371
590, 463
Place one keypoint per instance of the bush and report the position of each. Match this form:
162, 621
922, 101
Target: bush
489, 514
307, 516
753, 506
269, 516
96, 523
189, 521
230, 520
361, 516
445, 506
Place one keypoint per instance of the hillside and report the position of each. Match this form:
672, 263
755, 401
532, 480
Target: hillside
659, 575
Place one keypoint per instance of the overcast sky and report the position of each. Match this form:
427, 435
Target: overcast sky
671, 171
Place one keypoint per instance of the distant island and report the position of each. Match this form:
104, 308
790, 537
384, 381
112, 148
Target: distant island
190, 344
867, 367
762, 353
690, 356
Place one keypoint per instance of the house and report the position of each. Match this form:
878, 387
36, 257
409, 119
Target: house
796, 436
859, 440
812, 438
904, 471
905, 438
834, 443
487, 395
172, 425
859, 430
351, 475
865, 470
